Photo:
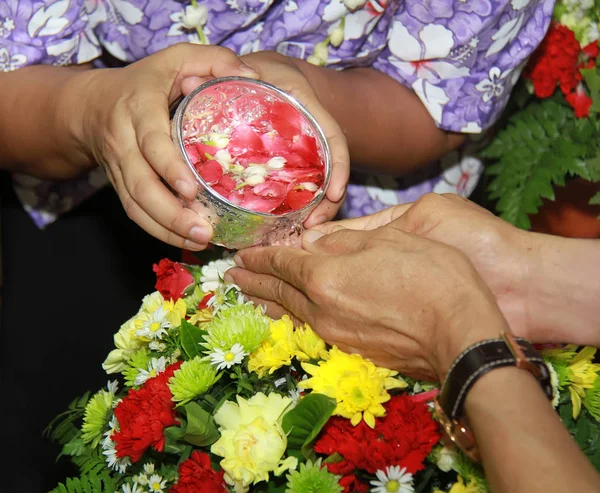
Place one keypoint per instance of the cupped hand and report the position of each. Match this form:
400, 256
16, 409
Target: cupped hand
125, 127
408, 303
503, 255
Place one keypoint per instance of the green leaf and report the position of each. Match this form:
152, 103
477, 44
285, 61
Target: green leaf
303, 423
201, 429
592, 80
540, 145
595, 200
88, 483
190, 338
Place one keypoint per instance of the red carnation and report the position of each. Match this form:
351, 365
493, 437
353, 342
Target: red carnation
352, 484
172, 279
555, 62
580, 102
143, 415
592, 50
196, 474
404, 437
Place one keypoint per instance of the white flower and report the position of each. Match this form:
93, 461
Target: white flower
155, 366
160, 347
393, 480
134, 488
112, 386
226, 359
194, 16
224, 159
255, 174
295, 395
156, 484
155, 325
445, 459
354, 4
492, 87
220, 299
119, 464
213, 272
276, 162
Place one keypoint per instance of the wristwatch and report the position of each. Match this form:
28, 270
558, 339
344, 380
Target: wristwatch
472, 364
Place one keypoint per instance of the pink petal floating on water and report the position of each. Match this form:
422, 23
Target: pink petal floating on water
297, 199
243, 140
306, 147
211, 172
285, 119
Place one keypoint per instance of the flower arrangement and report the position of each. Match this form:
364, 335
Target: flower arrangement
218, 397
553, 120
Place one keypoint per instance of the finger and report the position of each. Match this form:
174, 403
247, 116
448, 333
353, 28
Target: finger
152, 130
136, 214
190, 83
291, 265
272, 290
147, 190
340, 158
325, 211
274, 310
338, 242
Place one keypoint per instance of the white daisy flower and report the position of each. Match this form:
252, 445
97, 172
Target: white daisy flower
119, 464
112, 386
220, 299
141, 479
226, 359
155, 366
393, 480
156, 484
134, 488
295, 395
155, 325
160, 347
213, 272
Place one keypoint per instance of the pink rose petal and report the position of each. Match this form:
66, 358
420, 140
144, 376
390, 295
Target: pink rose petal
297, 199
211, 172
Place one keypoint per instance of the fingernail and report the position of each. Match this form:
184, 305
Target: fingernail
249, 71
227, 277
238, 261
312, 235
193, 247
199, 234
185, 188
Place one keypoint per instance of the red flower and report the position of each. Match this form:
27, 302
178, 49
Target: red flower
580, 102
172, 278
555, 62
352, 484
143, 415
592, 50
404, 437
195, 474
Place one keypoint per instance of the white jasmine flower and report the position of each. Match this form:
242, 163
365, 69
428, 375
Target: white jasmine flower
445, 459
224, 159
215, 139
393, 480
226, 359
155, 325
194, 16
276, 162
309, 185
213, 272
156, 484
155, 366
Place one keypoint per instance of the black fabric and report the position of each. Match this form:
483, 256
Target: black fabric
66, 290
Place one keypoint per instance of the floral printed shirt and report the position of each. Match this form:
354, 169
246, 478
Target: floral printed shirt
461, 57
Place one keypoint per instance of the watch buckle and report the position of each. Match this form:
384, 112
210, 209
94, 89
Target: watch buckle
457, 434
521, 360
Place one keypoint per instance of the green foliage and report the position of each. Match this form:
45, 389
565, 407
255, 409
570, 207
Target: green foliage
304, 422
540, 146
592, 80
88, 483
190, 338
64, 427
201, 428
585, 430
466, 468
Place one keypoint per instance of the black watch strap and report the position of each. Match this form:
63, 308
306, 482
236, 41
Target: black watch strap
479, 359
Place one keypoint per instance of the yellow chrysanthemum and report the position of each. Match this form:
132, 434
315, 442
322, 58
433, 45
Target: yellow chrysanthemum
309, 345
461, 487
277, 350
358, 386
582, 375
201, 316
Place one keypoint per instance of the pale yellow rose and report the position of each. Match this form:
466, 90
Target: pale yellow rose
252, 440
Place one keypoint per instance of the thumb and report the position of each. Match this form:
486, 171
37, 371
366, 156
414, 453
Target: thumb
339, 241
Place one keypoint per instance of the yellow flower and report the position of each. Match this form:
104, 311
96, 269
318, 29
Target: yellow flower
127, 343
252, 440
309, 344
175, 311
358, 386
275, 351
582, 374
461, 487
201, 316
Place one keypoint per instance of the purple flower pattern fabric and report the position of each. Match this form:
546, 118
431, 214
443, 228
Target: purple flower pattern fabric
461, 57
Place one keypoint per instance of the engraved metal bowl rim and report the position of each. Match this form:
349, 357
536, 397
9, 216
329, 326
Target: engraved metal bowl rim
282, 94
